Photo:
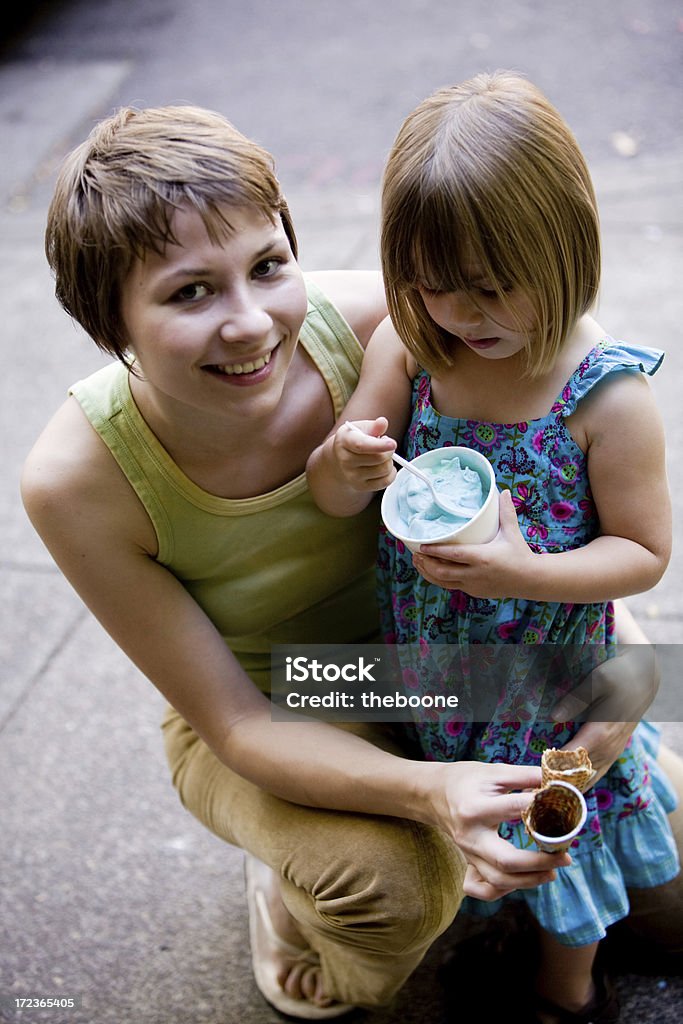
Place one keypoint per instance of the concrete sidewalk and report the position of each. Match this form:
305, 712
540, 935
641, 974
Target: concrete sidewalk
112, 893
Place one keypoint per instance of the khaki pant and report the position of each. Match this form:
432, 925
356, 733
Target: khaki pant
371, 894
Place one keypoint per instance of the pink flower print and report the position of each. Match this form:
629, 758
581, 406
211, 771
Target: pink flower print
423, 647
563, 399
610, 626
423, 391
561, 510
592, 628
639, 804
587, 506
454, 727
507, 630
532, 635
410, 678
513, 713
408, 613
515, 720
604, 798
484, 435
585, 365
537, 441
537, 530
457, 602
567, 470
522, 500
558, 728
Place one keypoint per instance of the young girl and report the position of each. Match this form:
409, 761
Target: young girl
491, 260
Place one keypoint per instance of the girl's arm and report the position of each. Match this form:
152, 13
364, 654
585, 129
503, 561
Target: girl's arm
100, 536
620, 429
349, 466
616, 696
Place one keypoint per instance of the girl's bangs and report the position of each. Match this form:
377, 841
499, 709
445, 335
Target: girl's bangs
437, 249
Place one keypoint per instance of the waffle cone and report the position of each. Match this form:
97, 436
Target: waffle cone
555, 816
567, 766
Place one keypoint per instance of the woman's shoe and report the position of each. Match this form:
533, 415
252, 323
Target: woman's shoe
268, 949
603, 1008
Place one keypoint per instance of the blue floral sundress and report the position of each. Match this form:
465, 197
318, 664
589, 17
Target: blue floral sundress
626, 841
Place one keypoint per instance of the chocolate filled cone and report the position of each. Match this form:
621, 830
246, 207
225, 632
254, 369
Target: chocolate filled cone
555, 816
567, 766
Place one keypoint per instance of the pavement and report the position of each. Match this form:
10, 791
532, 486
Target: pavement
111, 893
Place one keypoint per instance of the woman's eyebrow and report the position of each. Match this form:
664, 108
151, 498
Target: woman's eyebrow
190, 271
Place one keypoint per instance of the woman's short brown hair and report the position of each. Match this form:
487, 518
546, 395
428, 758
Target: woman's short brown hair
489, 168
116, 194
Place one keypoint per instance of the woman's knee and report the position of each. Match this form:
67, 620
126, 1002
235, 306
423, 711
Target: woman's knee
393, 887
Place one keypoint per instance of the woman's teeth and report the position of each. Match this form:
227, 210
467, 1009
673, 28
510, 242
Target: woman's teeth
237, 368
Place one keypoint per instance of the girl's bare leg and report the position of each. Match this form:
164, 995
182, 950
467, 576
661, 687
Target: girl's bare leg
565, 975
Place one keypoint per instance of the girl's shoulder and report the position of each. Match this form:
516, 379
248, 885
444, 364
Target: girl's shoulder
605, 360
609, 393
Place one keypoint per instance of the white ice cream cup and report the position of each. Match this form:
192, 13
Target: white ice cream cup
480, 529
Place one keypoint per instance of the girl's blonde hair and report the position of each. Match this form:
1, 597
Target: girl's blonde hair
117, 192
488, 172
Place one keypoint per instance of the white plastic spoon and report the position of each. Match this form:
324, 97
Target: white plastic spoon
438, 499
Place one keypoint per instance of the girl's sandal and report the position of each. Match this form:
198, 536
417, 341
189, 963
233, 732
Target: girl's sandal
603, 1009
267, 947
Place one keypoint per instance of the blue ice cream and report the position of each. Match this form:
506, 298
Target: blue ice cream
420, 518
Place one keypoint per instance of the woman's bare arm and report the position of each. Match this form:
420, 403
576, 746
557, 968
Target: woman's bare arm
100, 536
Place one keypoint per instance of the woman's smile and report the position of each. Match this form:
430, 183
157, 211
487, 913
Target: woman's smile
247, 371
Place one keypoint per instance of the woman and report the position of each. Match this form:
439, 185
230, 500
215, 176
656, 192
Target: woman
170, 490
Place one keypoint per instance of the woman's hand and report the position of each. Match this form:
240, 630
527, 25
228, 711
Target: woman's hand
501, 568
474, 799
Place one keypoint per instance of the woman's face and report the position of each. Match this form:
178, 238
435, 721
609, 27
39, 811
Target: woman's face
214, 324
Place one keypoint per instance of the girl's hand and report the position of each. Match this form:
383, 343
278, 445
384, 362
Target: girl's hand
362, 453
614, 697
478, 797
500, 568
604, 741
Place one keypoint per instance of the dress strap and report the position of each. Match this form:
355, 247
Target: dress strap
608, 356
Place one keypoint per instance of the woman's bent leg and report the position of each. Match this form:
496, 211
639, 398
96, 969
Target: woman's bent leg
370, 894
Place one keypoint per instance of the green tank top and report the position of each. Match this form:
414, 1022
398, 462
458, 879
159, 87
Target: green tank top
271, 569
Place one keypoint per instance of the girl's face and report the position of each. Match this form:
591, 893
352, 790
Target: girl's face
214, 324
476, 315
